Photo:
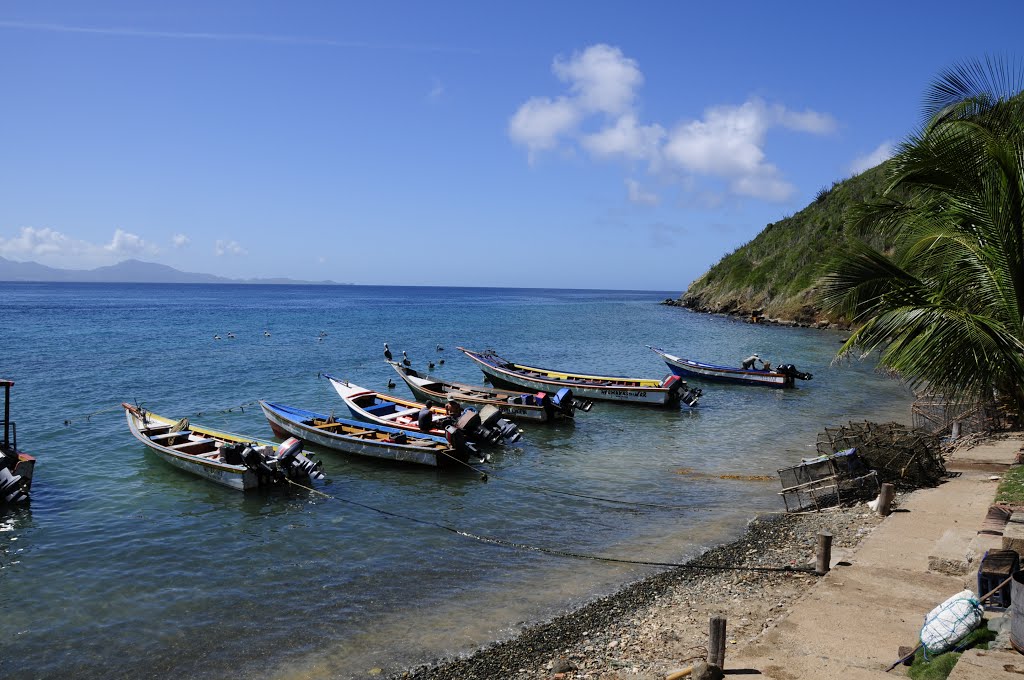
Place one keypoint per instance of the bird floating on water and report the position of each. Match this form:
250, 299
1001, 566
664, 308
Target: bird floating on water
405, 359
440, 362
231, 336
440, 349
216, 336
430, 365
387, 352
391, 384
266, 334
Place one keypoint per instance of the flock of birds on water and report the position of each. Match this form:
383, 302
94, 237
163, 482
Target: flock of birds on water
387, 352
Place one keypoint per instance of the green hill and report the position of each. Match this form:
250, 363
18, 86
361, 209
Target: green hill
775, 273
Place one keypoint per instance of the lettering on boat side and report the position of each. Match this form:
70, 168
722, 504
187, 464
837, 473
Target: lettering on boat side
639, 394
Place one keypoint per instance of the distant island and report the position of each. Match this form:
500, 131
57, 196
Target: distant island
128, 271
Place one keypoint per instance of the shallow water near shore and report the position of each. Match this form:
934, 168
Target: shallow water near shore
125, 566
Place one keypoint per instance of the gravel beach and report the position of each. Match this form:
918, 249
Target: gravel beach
659, 624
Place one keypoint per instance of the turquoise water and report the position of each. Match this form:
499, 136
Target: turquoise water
124, 566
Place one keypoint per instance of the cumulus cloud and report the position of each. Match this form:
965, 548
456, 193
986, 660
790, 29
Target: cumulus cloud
598, 113
125, 243
180, 240
226, 247
539, 123
50, 246
881, 154
638, 195
600, 78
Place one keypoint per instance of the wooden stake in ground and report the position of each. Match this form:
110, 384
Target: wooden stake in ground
716, 642
824, 561
885, 496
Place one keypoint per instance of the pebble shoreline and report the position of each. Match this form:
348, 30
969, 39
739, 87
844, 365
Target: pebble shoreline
660, 623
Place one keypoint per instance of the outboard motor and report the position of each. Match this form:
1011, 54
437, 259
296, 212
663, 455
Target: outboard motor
258, 463
791, 371
497, 429
692, 396
232, 453
680, 391
291, 459
10, 484
459, 441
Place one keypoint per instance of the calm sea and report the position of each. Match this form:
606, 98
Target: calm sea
124, 567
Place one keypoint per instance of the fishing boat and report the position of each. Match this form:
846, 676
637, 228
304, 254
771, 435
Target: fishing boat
536, 407
16, 467
232, 460
360, 438
671, 391
484, 427
785, 375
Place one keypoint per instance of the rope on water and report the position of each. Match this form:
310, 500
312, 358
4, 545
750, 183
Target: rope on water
231, 409
554, 551
534, 487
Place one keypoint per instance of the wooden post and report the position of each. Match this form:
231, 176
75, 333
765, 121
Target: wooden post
824, 561
716, 642
885, 497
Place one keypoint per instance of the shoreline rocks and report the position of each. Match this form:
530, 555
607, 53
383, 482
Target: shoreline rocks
808, 319
660, 623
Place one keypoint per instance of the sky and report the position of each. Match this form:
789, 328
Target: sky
557, 144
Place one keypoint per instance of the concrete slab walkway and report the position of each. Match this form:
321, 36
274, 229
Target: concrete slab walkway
852, 622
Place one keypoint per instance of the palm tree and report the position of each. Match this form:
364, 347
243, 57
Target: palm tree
945, 308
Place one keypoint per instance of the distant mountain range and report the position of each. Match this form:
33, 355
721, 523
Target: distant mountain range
128, 271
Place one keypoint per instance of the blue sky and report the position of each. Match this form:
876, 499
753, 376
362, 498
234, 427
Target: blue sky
561, 144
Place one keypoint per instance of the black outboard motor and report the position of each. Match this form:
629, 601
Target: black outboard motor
498, 429
258, 463
465, 450
10, 484
232, 453
791, 371
291, 459
681, 392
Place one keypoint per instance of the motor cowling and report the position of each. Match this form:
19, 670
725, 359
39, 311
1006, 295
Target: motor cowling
257, 462
495, 428
11, 491
791, 371
291, 459
460, 443
564, 401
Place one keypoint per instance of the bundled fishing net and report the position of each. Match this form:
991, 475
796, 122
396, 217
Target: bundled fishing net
904, 456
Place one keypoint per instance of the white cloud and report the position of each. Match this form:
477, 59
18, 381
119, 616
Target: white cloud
600, 79
883, 153
539, 122
49, 246
34, 243
626, 138
727, 144
638, 195
180, 240
125, 243
226, 247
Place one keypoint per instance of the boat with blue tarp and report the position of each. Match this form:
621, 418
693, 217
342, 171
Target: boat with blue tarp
360, 438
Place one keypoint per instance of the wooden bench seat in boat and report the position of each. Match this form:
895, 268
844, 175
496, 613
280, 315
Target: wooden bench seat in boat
167, 436
399, 414
196, 447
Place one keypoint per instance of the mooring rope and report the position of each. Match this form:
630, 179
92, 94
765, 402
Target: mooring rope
543, 489
554, 551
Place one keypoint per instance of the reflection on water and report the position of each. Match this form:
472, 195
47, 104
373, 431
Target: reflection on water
124, 562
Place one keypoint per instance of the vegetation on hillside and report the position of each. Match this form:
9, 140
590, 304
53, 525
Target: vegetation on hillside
945, 308
776, 272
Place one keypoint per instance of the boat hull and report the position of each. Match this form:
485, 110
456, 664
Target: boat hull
688, 368
285, 425
520, 412
141, 423
587, 389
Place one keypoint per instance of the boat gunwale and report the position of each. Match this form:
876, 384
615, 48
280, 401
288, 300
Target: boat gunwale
580, 379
